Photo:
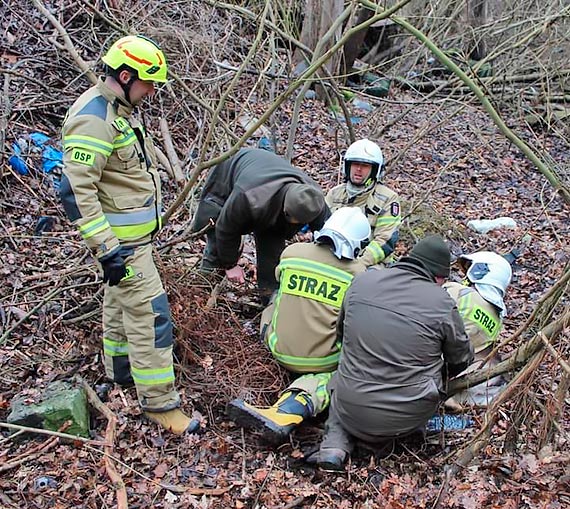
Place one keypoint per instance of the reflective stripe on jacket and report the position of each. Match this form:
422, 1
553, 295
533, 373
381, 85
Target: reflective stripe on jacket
110, 188
312, 284
481, 319
382, 208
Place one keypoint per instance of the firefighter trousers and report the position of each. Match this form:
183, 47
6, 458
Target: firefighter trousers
137, 332
316, 385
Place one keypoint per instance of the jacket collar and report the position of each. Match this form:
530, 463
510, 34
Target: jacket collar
123, 108
415, 266
353, 190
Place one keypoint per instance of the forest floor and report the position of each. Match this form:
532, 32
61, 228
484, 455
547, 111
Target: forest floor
448, 164
462, 171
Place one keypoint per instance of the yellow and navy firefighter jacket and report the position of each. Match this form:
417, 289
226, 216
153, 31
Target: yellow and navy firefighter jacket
110, 188
312, 283
481, 319
382, 208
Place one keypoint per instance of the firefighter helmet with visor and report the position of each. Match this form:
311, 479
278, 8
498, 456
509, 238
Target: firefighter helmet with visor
491, 274
347, 231
141, 55
364, 151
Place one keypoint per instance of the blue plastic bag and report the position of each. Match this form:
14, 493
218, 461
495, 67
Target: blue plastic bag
16, 161
265, 143
51, 158
39, 139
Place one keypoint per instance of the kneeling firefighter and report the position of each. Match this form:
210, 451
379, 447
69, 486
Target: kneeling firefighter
300, 325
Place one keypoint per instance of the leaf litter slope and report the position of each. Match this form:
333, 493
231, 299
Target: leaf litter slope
459, 171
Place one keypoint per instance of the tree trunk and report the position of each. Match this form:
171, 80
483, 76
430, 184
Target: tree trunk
475, 45
319, 17
354, 44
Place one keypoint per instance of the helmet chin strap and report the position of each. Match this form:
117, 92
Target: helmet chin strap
127, 88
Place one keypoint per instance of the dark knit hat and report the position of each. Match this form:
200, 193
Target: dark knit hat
303, 202
434, 254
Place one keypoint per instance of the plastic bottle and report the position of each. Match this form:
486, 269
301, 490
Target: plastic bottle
486, 225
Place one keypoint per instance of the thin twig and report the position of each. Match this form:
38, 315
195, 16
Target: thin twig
212, 300
170, 152
262, 487
33, 453
464, 456
39, 431
563, 364
314, 67
296, 502
518, 358
564, 279
116, 479
44, 300
301, 94
67, 41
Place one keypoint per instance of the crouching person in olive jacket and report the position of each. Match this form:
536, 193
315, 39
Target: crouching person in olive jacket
399, 330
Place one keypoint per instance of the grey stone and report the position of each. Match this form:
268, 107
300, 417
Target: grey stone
60, 402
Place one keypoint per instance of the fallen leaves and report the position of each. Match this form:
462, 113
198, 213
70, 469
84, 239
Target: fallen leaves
160, 470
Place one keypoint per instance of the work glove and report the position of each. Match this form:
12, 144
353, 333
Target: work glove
114, 269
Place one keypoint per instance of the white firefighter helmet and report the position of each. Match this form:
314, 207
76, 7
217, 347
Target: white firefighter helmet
347, 230
364, 151
491, 274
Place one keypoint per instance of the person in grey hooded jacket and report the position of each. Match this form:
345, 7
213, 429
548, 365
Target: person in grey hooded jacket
255, 191
402, 335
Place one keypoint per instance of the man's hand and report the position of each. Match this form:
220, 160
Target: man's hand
114, 270
303, 237
236, 274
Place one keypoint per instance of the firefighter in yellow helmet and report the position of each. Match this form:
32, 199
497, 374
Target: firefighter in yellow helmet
110, 190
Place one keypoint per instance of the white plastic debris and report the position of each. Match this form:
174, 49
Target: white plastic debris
486, 225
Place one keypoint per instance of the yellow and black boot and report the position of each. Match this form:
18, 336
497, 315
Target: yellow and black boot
276, 421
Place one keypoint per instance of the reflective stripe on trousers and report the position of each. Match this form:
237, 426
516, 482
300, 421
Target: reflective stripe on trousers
317, 387
137, 326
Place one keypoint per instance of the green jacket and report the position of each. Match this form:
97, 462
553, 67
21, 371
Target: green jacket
382, 208
312, 284
245, 194
110, 188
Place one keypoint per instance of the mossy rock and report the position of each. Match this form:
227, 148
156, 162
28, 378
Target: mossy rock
58, 403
